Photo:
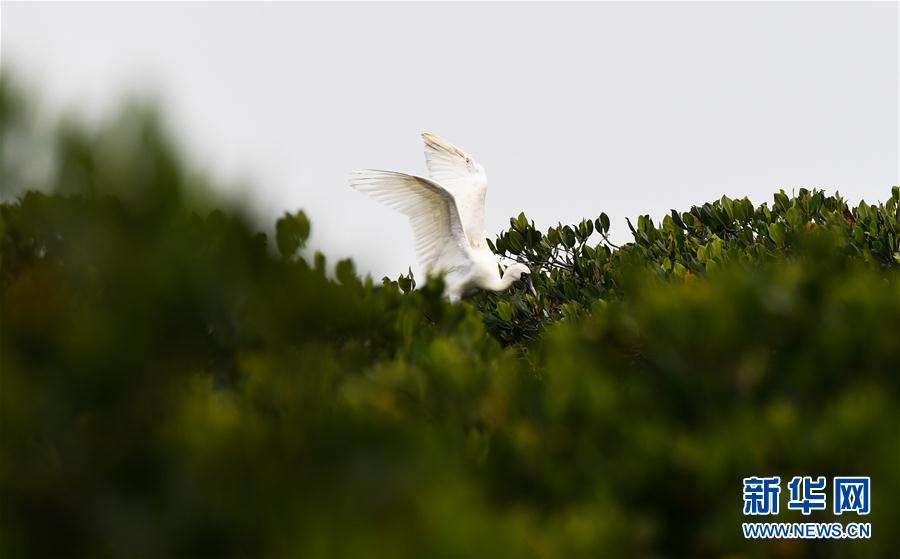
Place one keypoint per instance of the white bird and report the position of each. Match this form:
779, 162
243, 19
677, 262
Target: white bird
447, 217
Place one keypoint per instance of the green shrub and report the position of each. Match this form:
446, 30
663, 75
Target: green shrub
173, 383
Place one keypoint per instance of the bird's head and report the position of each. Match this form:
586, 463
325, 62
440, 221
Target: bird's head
522, 273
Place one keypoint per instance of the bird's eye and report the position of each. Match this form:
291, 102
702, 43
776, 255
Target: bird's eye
524, 276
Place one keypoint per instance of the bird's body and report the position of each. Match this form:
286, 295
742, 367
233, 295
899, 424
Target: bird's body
446, 212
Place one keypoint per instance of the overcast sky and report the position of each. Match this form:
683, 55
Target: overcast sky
573, 109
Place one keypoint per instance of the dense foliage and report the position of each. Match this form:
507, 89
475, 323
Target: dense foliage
577, 274
175, 383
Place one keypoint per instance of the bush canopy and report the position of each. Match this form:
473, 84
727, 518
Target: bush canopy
175, 383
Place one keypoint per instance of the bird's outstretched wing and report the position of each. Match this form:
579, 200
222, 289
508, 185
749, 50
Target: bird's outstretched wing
465, 179
441, 242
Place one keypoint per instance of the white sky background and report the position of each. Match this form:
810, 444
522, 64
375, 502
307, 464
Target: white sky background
573, 109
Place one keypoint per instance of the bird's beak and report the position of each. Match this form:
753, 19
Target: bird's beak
530, 285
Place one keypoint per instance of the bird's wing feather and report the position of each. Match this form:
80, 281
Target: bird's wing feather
460, 175
439, 235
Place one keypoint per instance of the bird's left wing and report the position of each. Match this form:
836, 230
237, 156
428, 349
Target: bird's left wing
439, 236
465, 179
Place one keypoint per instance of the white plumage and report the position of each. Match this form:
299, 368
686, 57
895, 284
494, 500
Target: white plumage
447, 217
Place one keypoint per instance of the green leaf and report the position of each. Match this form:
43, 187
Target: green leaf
776, 232
630, 226
291, 232
521, 222
345, 271
319, 262
728, 205
504, 309
781, 201
516, 242
568, 235
553, 236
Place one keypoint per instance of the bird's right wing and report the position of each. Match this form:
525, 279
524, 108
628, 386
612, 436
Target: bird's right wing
432, 212
465, 179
